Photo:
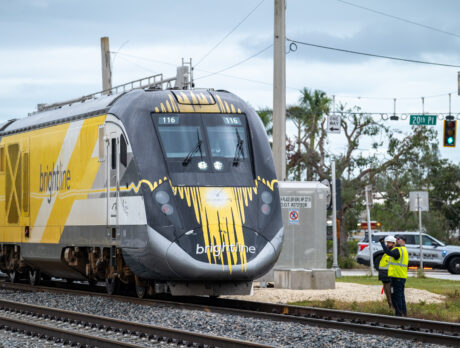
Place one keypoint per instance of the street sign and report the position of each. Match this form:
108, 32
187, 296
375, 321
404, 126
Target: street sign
422, 120
418, 199
333, 124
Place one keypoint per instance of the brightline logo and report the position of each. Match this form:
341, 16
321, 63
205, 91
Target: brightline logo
217, 250
54, 180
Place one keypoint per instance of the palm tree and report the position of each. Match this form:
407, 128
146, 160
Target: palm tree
316, 104
298, 115
266, 115
307, 118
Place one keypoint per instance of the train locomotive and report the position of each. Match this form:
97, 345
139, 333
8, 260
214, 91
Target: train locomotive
167, 190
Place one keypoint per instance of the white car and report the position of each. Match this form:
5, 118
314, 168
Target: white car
435, 253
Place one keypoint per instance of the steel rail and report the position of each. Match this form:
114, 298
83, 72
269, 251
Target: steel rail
428, 331
408, 328
181, 337
59, 335
314, 312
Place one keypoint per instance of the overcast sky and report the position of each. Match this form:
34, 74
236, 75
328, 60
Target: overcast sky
50, 50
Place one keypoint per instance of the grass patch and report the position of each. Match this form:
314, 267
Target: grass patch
449, 288
446, 311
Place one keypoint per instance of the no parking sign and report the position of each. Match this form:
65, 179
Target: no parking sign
294, 216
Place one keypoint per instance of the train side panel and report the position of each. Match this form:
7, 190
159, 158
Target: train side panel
48, 183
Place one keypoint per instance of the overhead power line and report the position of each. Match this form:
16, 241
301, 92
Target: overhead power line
400, 18
145, 58
202, 70
138, 65
264, 82
372, 54
392, 98
236, 64
229, 33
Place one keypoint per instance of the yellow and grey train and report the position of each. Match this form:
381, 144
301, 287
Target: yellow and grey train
168, 190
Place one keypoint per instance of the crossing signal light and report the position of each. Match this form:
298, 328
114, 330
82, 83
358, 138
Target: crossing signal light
450, 130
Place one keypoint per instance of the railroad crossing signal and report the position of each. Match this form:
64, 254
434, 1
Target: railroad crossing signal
450, 130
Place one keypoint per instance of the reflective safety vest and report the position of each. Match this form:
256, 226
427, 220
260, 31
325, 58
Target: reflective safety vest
398, 267
384, 262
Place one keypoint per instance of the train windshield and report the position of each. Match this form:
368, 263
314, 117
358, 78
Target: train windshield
179, 141
204, 143
227, 137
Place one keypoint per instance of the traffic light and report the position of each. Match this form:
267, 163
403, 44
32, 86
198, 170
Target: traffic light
450, 130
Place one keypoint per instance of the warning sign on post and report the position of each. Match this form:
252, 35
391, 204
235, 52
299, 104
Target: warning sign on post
294, 216
295, 201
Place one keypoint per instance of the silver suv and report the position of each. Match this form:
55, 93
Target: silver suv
435, 253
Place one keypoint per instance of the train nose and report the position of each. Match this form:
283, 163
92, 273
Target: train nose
241, 254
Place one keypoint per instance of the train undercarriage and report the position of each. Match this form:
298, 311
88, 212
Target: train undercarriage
104, 264
95, 264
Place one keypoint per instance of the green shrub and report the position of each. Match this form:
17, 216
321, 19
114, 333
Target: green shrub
347, 262
352, 247
329, 246
344, 262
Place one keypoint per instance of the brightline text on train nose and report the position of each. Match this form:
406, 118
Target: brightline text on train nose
217, 250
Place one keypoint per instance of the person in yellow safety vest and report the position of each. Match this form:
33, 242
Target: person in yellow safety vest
397, 272
383, 269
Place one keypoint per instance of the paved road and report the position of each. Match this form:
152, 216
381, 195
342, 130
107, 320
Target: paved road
439, 274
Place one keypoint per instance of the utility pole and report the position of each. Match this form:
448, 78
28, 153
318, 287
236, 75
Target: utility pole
279, 90
106, 65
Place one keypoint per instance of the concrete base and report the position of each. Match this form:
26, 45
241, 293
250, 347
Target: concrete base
299, 279
323, 278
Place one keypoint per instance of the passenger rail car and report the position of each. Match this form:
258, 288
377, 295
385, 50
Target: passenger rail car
171, 190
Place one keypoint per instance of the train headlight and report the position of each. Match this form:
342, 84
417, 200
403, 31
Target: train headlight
167, 209
265, 208
218, 165
202, 165
267, 197
162, 197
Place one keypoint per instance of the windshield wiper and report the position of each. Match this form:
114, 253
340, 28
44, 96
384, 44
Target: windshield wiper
195, 149
239, 149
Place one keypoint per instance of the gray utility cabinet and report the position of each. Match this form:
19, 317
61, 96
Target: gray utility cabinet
302, 262
303, 207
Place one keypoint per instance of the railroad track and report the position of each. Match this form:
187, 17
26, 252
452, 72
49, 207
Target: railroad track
407, 328
73, 328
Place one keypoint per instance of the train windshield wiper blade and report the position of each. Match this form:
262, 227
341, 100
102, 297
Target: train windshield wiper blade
239, 149
195, 149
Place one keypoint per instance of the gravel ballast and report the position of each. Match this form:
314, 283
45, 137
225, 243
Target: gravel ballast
280, 334
347, 292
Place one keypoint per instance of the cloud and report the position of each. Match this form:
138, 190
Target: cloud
51, 50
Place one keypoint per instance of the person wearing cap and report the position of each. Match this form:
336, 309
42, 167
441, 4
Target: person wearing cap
397, 272
383, 269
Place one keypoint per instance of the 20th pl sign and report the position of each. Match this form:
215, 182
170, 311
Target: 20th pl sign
422, 120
